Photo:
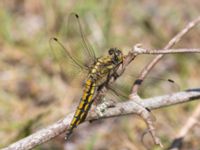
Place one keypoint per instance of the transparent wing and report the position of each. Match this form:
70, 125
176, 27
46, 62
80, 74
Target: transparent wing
156, 85
121, 89
150, 86
122, 93
74, 24
68, 65
76, 37
76, 54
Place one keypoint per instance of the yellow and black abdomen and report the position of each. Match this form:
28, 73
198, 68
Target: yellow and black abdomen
97, 76
84, 105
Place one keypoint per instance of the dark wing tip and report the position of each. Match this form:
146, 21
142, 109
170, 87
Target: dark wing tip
147, 109
138, 81
55, 39
170, 80
77, 16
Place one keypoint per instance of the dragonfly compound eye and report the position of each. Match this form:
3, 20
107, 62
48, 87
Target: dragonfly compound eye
111, 51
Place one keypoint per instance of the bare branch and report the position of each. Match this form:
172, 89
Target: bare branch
138, 50
147, 116
190, 123
171, 43
171, 51
128, 107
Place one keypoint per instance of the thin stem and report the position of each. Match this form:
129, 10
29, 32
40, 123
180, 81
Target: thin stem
190, 123
167, 51
170, 44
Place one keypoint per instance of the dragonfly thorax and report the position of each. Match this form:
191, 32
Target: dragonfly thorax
105, 65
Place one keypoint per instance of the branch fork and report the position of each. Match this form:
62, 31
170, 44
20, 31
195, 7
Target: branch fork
124, 108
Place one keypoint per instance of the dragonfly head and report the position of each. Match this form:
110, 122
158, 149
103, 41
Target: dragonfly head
116, 55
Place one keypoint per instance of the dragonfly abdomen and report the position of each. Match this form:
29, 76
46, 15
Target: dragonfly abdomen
84, 105
98, 75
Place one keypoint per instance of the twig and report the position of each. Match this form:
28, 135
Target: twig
171, 51
191, 122
128, 107
147, 116
138, 50
171, 43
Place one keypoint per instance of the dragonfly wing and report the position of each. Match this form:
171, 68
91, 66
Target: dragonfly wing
68, 66
156, 85
76, 54
76, 36
149, 85
85, 43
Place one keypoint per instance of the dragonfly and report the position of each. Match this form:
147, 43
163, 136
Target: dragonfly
99, 70
98, 75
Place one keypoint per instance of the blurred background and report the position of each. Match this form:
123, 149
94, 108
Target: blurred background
33, 93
